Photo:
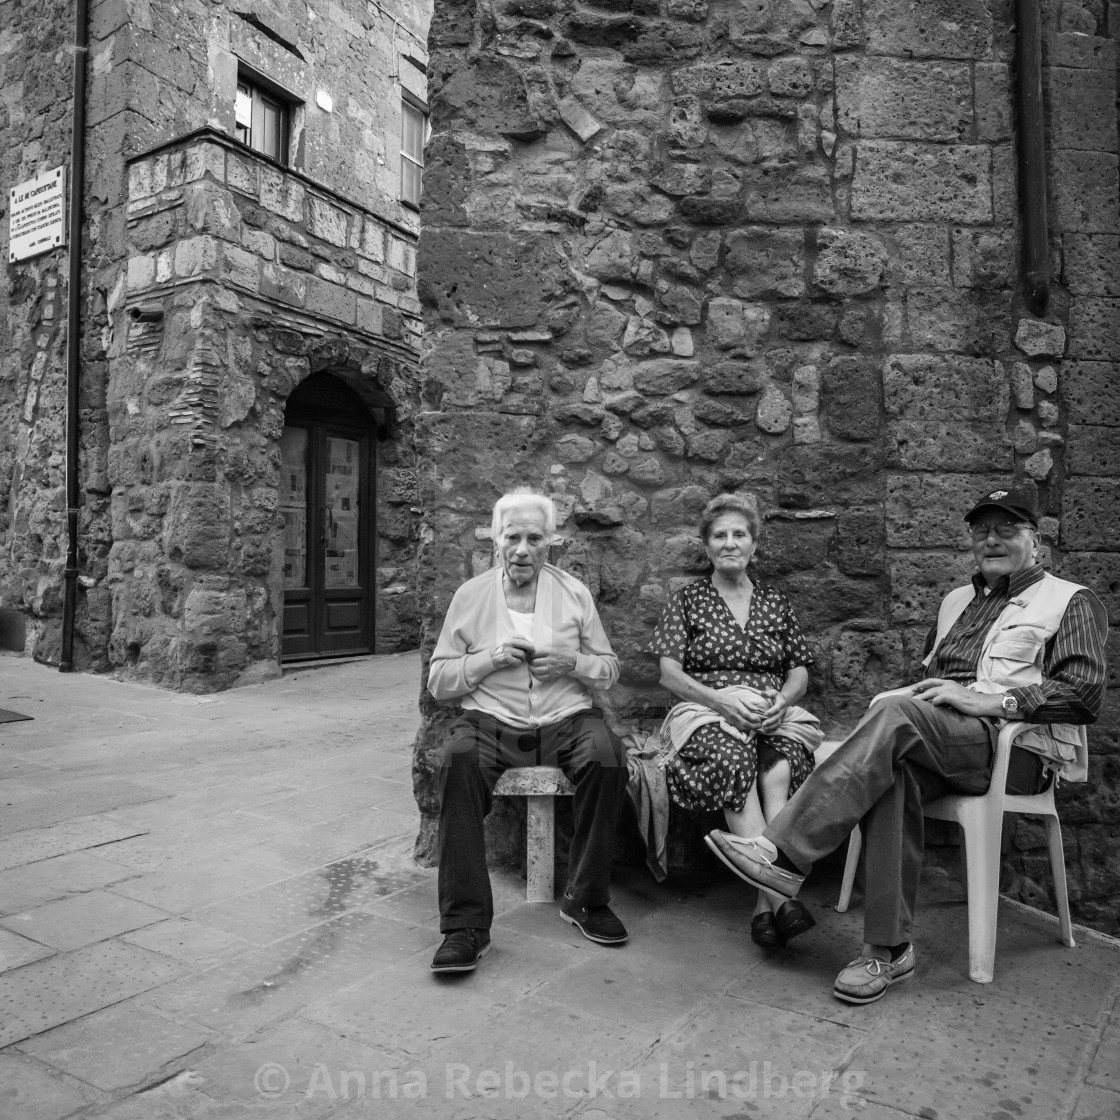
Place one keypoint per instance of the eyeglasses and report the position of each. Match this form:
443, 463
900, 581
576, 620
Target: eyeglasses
1005, 530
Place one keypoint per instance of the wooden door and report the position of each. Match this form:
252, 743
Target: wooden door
326, 499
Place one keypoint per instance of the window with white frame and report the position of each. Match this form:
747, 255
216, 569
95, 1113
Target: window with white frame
414, 128
263, 118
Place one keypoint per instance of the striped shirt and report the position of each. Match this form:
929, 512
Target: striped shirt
1073, 667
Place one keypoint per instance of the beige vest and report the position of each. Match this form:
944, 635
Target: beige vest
1012, 657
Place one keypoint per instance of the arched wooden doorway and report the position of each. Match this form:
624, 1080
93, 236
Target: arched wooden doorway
327, 499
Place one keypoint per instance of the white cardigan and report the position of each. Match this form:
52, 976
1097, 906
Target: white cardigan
477, 620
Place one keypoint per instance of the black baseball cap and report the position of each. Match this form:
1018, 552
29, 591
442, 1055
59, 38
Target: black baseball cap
1020, 503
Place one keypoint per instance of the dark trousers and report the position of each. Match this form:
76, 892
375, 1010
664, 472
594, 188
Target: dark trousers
903, 754
479, 750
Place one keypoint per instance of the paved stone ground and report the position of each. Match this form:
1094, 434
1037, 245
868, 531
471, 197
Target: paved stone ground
208, 909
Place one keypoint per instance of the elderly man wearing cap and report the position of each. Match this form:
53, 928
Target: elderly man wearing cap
1015, 643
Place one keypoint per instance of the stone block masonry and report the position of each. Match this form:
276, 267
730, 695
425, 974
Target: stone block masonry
254, 300
263, 272
686, 247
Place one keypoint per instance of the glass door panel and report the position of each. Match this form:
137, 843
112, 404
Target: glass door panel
293, 504
341, 512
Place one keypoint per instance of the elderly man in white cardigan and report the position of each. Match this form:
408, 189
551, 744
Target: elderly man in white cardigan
523, 651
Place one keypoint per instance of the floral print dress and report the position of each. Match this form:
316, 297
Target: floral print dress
713, 770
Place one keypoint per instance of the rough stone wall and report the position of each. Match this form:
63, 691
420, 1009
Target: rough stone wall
158, 71
674, 246
35, 112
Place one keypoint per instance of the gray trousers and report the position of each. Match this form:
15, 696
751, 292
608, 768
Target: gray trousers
903, 754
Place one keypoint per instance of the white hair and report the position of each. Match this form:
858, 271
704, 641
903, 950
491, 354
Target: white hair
523, 498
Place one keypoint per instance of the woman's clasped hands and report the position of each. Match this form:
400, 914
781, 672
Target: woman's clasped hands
772, 717
739, 712
744, 715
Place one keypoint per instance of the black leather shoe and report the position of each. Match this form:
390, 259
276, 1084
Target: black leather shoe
793, 918
596, 923
765, 932
461, 950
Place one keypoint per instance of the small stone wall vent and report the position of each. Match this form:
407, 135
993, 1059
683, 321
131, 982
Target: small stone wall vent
13, 631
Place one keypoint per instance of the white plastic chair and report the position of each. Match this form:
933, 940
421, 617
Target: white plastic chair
981, 821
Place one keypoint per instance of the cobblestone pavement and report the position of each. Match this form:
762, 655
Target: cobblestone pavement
209, 909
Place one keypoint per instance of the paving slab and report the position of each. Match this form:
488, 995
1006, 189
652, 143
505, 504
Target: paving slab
314, 772
189, 942
119, 1047
17, 766
33, 884
182, 1098
330, 801
64, 987
719, 956
176, 843
729, 1057
34, 844
198, 883
23, 789
303, 901
996, 1055
16, 950
78, 798
517, 1063
263, 985
1095, 1103
617, 985
418, 905
204, 803
391, 1011
1104, 1071
297, 1064
844, 1103
82, 919
30, 1091
309, 846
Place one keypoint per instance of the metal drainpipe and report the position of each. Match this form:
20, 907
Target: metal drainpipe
73, 333
1032, 157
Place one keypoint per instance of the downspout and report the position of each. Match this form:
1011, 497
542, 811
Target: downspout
1035, 262
73, 333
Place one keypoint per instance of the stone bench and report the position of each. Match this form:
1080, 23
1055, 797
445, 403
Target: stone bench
540, 786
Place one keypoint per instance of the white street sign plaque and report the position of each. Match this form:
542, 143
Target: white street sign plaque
36, 216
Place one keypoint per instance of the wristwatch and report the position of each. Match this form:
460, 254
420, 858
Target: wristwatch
1010, 705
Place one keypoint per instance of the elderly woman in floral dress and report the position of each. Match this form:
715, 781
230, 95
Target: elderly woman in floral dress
732, 652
